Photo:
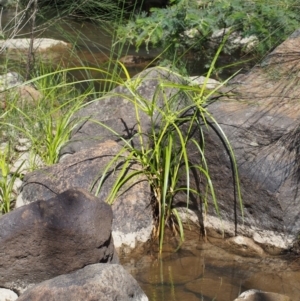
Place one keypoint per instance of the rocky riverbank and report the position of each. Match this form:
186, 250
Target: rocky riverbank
58, 227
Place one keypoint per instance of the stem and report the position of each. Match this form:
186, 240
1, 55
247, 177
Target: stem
30, 58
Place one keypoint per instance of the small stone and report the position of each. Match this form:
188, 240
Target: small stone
192, 33
10, 80
26, 162
256, 295
3, 146
220, 33
23, 145
200, 80
17, 185
7, 295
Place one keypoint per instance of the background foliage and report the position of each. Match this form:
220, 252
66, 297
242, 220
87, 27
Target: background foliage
190, 24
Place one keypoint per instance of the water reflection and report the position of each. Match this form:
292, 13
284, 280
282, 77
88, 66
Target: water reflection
206, 272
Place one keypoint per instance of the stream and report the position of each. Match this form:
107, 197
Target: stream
198, 270
210, 271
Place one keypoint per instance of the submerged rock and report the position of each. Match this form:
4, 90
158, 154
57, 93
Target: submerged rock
138, 61
213, 289
181, 271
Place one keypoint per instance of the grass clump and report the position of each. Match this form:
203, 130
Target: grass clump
47, 120
7, 180
163, 149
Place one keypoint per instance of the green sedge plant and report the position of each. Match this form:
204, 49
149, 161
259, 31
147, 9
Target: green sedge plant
7, 180
163, 150
48, 121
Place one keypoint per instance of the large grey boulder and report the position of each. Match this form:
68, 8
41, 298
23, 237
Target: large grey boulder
116, 110
132, 209
48, 238
261, 119
105, 282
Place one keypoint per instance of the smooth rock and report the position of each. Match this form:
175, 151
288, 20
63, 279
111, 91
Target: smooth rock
40, 44
256, 295
26, 162
7, 295
213, 289
210, 83
48, 238
260, 118
245, 245
105, 282
47, 51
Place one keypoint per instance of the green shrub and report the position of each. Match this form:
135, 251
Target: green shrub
92, 9
270, 21
7, 180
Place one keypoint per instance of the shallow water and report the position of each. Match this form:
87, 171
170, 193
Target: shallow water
210, 271
93, 42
